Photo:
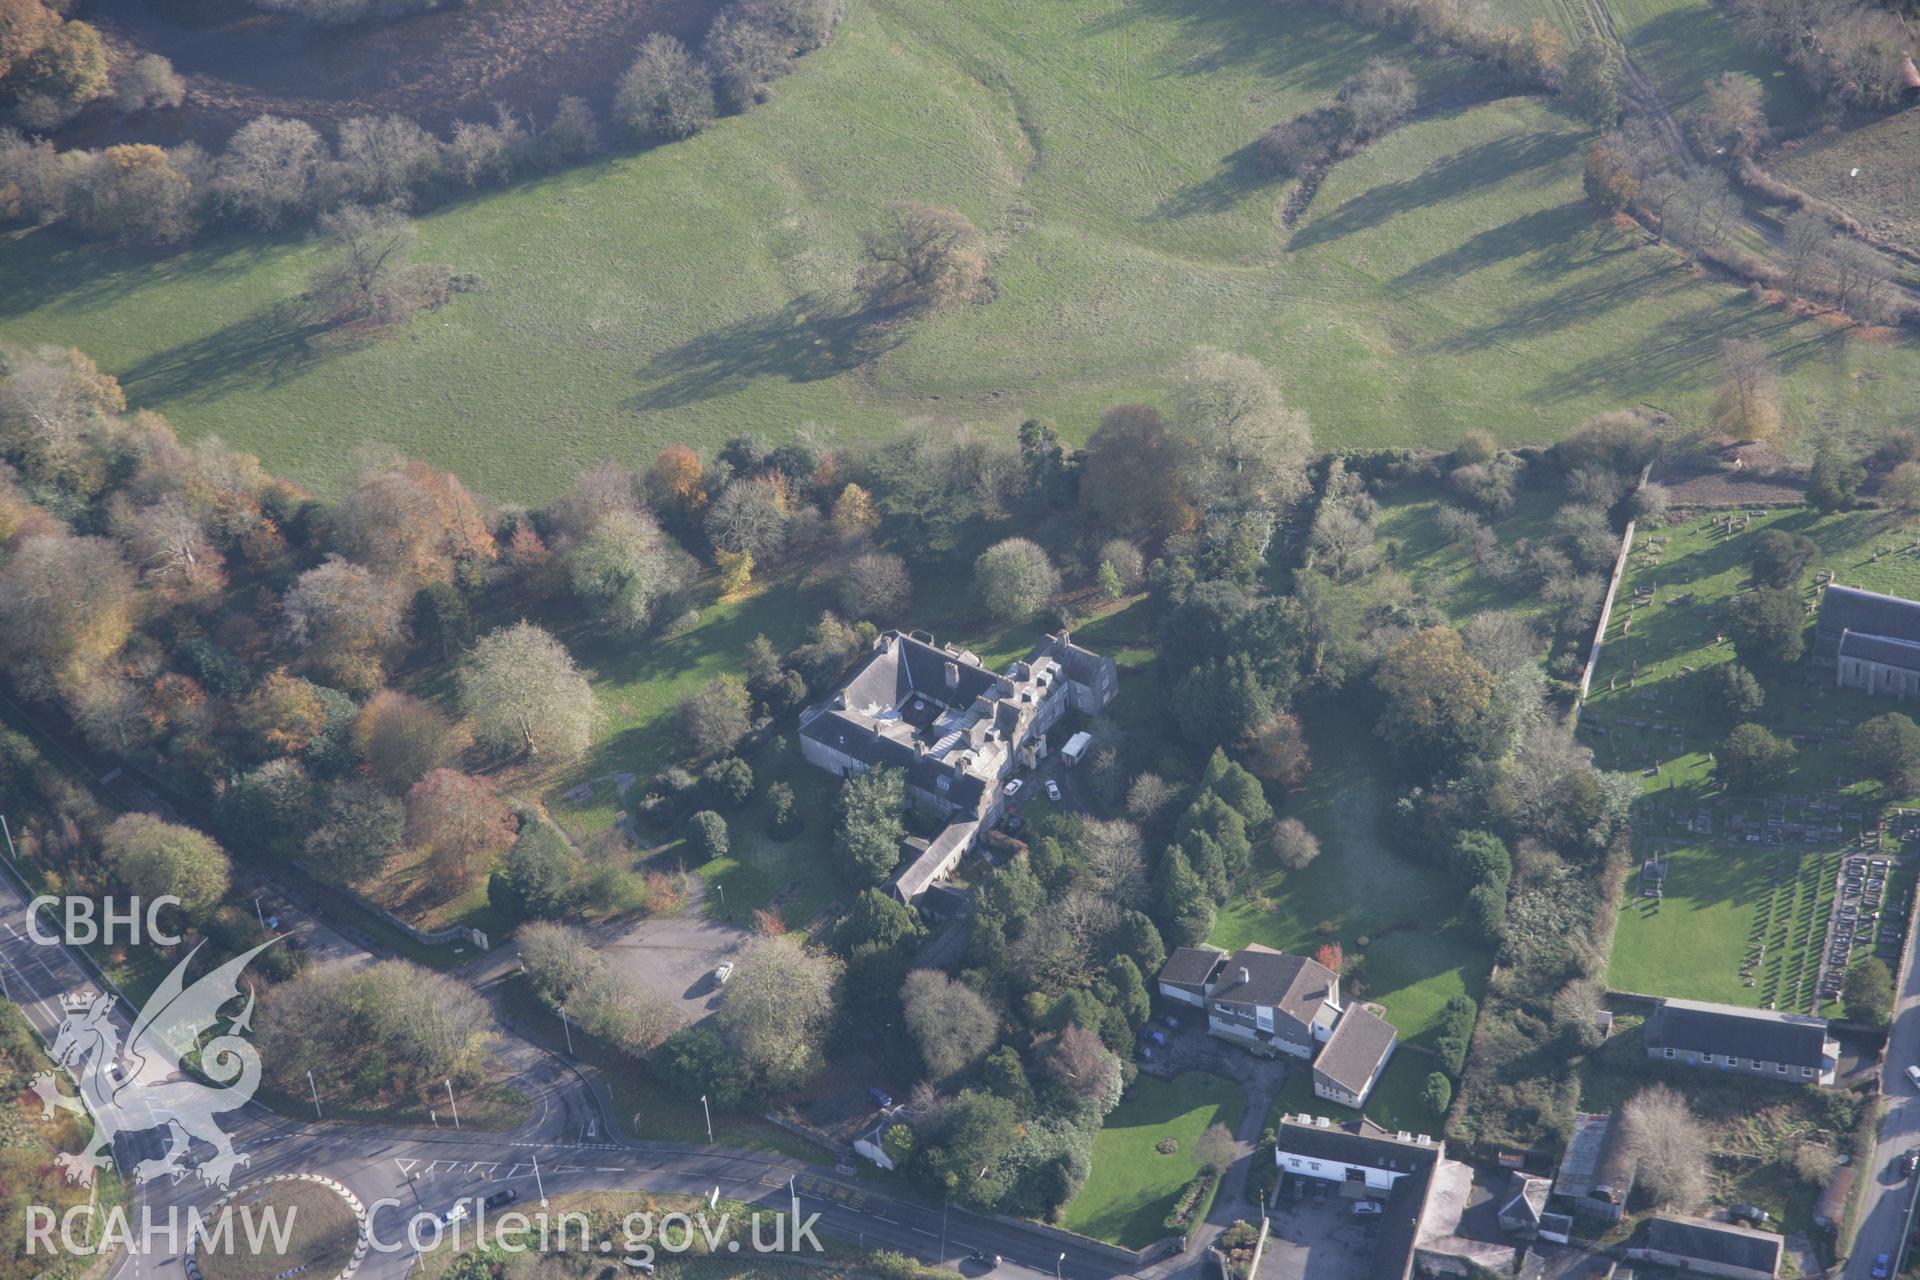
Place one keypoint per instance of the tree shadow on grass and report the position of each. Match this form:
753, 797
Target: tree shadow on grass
1241, 175
1471, 169
1684, 352
265, 349
46, 265
811, 338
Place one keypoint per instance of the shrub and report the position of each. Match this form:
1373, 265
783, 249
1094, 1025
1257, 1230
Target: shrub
707, 833
666, 93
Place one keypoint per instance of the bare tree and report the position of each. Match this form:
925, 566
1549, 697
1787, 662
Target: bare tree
1252, 448
383, 158
1748, 402
953, 1024
1115, 862
1670, 1144
876, 586
925, 258
272, 169
1293, 845
666, 93
371, 275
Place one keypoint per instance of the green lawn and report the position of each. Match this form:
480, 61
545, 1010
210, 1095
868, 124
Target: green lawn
1394, 1104
1725, 903
1132, 1187
1729, 899
1448, 277
1418, 952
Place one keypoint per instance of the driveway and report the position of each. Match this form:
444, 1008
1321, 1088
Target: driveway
1311, 1241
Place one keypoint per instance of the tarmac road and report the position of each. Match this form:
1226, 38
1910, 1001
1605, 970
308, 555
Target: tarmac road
429, 1170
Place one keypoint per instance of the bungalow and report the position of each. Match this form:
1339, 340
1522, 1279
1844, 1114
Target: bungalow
1759, 1042
1695, 1245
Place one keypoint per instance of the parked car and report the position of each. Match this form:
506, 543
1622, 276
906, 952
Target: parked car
1748, 1213
1882, 1264
1053, 791
1910, 1162
502, 1198
1013, 786
1913, 1076
1157, 1037
1366, 1208
879, 1097
1171, 1021
724, 972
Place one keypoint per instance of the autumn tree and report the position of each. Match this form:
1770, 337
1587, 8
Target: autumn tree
853, 513
151, 858
70, 607
401, 739
678, 480
923, 258
463, 824
1435, 696
1252, 449
779, 1009
1609, 179
1747, 404
346, 621
412, 522
283, 713
522, 693
952, 1024
1733, 113
1015, 579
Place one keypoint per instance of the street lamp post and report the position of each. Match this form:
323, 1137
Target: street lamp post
316, 1095
708, 1112
567, 1029
257, 913
451, 1103
1057, 1263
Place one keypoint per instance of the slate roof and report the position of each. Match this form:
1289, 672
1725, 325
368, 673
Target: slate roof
1886, 650
1721, 1242
1190, 967
1398, 1227
1695, 1026
1359, 1044
1845, 609
1526, 1199
1293, 985
914, 879
1587, 1161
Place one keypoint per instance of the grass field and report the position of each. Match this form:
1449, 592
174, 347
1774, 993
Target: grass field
1448, 277
1133, 1186
1417, 952
1884, 193
322, 1230
1728, 898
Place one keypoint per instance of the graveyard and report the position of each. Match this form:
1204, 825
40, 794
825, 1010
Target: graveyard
1754, 900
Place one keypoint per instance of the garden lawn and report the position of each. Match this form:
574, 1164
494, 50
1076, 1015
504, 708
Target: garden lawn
1394, 1104
1724, 902
1448, 277
1133, 1186
1417, 950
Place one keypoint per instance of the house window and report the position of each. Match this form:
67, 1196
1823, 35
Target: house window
1806, 1072
1669, 1053
1781, 1067
1756, 1064
1314, 1165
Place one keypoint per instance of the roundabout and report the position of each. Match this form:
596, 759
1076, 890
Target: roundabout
308, 1228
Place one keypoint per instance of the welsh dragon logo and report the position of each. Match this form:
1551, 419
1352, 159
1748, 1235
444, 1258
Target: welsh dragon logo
144, 1085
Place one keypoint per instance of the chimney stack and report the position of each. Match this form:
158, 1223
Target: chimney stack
953, 675
1245, 976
